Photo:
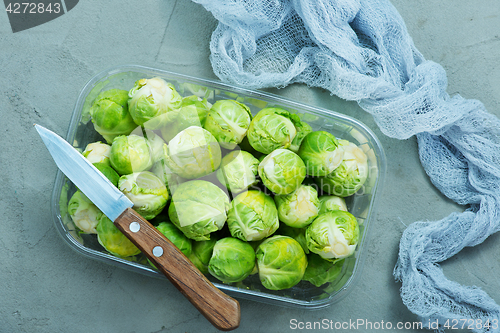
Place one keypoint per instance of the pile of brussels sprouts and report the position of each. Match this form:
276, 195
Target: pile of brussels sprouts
238, 194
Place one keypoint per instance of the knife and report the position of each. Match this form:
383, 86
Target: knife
220, 310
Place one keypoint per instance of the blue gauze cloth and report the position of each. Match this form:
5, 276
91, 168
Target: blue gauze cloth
361, 51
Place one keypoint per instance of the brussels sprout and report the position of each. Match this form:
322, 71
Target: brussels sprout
150, 99
154, 141
193, 153
329, 203
281, 262
299, 208
299, 234
252, 216
146, 191
232, 260
238, 171
83, 212
97, 152
303, 129
272, 128
192, 112
113, 240
333, 235
320, 271
228, 121
110, 114
176, 236
156, 144
130, 154
350, 175
198, 208
202, 252
109, 172
167, 176
282, 171
321, 153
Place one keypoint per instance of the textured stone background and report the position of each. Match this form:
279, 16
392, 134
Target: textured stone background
47, 287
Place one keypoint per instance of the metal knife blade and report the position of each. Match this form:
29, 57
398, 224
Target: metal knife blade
221, 310
84, 175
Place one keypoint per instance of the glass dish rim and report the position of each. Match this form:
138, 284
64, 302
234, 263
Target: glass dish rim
230, 290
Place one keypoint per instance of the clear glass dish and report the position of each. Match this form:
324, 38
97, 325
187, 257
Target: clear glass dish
362, 205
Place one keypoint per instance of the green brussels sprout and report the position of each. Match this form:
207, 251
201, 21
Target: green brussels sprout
193, 153
192, 112
281, 262
303, 129
198, 208
232, 260
169, 230
108, 172
154, 141
238, 171
299, 234
150, 99
110, 114
156, 144
228, 121
282, 171
113, 240
320, 271
350, 175
97, 152
252, 216
83, 212
271, 129
202, 252
329, 203
130, 154
147, 192
167, 176
321, 153
333, 235
177, 238
299, 208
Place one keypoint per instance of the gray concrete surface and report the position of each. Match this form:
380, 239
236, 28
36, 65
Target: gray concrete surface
45, 287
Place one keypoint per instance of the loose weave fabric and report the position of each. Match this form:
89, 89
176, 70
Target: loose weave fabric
360, 50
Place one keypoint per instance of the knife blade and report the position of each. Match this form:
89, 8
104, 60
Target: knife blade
220, 310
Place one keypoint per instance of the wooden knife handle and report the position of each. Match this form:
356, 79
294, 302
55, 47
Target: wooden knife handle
220, 309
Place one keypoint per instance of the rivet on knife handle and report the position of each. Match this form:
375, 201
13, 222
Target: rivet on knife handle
220, 309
